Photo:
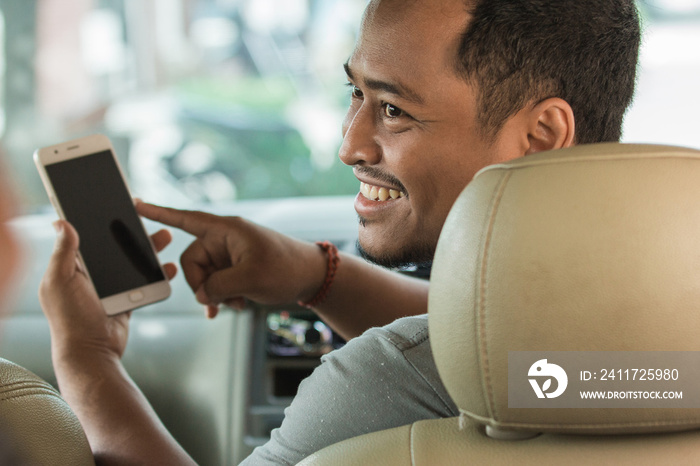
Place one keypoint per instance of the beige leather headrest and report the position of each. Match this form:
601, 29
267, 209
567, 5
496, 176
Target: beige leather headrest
40, 425
594, 248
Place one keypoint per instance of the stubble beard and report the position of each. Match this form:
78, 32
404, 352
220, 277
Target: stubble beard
419, 255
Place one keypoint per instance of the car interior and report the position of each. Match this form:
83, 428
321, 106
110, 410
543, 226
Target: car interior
235, 108
613, 221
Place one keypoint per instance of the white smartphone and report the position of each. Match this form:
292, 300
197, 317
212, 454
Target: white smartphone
87, 187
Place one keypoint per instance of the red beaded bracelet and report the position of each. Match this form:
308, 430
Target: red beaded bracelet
331, 252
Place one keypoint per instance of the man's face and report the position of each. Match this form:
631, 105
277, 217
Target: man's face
411, 132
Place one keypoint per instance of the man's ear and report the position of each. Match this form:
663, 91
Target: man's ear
551, 125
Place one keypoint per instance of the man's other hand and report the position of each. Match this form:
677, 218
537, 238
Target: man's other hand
232, 259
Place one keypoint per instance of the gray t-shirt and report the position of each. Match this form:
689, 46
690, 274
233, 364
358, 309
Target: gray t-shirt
382, 379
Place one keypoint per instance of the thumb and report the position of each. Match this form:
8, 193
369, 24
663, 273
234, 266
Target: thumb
62, 263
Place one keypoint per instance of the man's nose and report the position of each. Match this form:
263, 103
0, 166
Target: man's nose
360, 146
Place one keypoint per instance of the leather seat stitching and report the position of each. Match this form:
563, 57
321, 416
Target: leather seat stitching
483, 343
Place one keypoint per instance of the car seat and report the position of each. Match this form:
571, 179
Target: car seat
588, 249
38, 424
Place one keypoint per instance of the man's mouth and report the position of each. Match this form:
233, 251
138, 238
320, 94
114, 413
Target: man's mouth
378, 193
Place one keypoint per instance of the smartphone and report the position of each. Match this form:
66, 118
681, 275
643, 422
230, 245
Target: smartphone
87, 187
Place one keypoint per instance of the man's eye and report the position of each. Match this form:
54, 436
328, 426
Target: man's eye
356, 92
392, 111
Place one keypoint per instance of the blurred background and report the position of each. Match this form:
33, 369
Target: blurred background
210, 101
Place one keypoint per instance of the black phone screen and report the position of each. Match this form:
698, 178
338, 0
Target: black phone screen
95, 200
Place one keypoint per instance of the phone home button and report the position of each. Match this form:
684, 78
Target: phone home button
136, 296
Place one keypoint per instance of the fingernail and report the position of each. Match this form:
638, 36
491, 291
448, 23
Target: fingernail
58, 226
201, 296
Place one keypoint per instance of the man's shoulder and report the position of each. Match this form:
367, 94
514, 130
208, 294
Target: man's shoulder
398, 355
404, 333
400, 347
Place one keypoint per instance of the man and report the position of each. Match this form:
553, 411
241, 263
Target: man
440, 89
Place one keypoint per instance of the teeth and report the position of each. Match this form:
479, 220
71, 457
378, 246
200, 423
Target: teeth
364, 189
376, 193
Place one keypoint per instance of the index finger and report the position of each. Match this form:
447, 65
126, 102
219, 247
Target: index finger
192, 221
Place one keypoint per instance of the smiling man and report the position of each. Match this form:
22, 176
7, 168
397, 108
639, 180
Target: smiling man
440, 89
412, 127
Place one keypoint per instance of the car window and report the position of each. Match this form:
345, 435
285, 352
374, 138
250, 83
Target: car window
211, 101
667, 94
205, 100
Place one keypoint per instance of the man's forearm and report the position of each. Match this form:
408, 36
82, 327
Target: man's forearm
120, 424
364, 296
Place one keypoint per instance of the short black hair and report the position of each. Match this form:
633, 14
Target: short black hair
583, 51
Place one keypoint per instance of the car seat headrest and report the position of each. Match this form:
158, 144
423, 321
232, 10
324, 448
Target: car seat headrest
592, 248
